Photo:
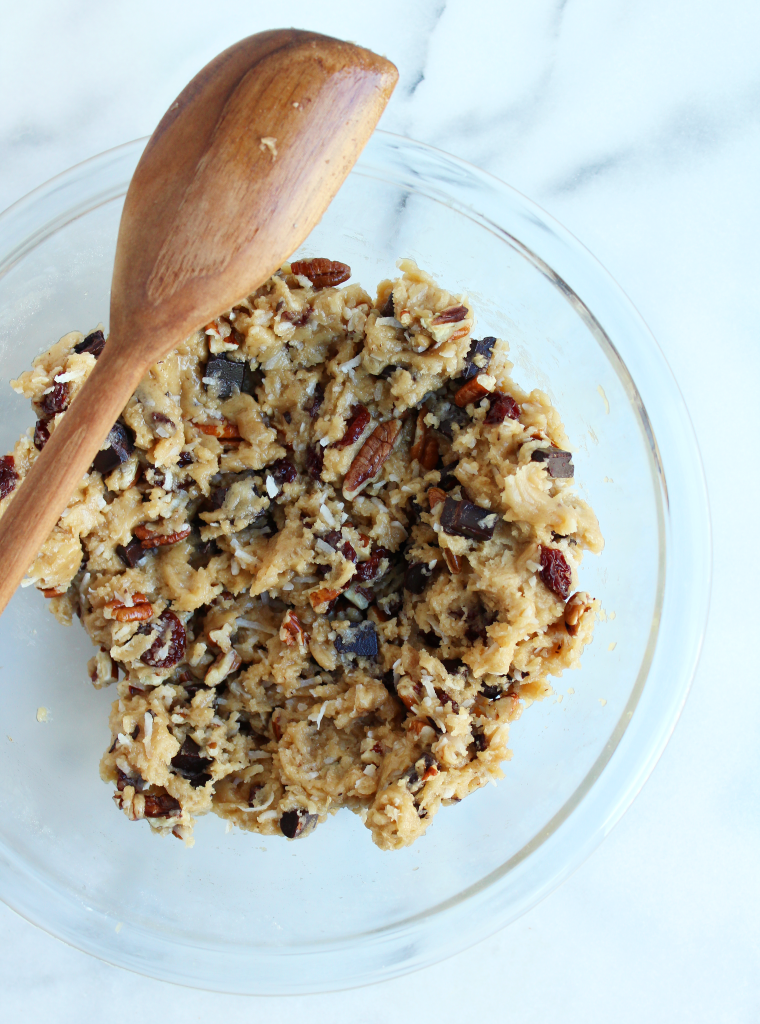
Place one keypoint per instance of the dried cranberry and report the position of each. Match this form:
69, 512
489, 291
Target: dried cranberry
333, 538
174, 642
502, 407
315, 405
368, 570
297, 319
315, 457
283, 471
417, 577
555, 572
41, 434
185, 459
161, 805
94, 344
355, 427
56, 400
8, 476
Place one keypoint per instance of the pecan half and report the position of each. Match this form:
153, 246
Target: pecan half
137, 613
372, 454
355, 427
575, 609
450, 316
435, 497
471, 391
157, 540
321, 272
322, 599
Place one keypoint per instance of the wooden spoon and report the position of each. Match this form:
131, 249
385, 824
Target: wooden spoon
238, 172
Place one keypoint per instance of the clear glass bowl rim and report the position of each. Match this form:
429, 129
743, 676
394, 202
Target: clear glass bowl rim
646, 724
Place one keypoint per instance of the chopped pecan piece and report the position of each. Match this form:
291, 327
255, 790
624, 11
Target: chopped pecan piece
371, 456
8, 476
223, 430
52, 592
429, 457
321, 272
450, 316
420, 434
291, 630
502, 407
555, 572
575, 609
168, 649
355, 427
471, 391
322, 599
435, 496
148, 539
453, 561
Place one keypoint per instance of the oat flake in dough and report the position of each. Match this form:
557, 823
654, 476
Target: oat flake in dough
318, 572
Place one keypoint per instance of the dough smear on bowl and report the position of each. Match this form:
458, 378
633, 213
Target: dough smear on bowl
327, 554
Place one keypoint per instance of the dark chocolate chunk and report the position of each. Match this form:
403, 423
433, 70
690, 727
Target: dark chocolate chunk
453, 665
361, 641
387, 372
448, 481
446, 698
492, 692
94, 344
8, 476
298, 823
478, 358
185, 459
449, 416
501, 407
463, 519
558, 463
131, 553
413, 776
417, 577
228, 375
315, 457
118, 449
191, 765
479, 741
41, 434
388, 681
388, 308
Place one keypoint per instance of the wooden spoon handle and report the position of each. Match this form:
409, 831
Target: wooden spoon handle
37, 504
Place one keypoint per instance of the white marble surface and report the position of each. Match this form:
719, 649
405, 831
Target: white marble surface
637, 124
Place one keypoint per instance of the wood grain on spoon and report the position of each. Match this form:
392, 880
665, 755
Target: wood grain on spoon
236, 175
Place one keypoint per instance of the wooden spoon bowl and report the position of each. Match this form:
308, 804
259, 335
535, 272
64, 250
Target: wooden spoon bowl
238, 172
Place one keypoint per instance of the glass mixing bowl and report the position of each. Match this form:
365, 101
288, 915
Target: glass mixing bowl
242, 913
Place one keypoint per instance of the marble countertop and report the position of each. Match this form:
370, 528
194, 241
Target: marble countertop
636, 123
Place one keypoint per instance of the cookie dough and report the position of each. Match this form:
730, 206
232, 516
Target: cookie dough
327, 554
